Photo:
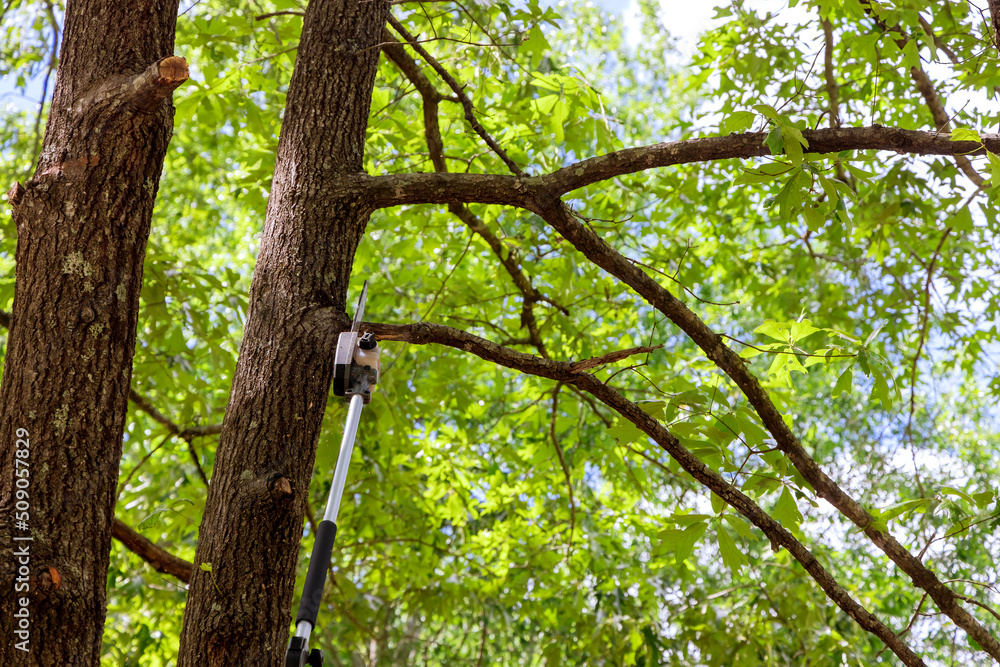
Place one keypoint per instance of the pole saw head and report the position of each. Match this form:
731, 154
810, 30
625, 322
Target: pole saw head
356, 362
356, 369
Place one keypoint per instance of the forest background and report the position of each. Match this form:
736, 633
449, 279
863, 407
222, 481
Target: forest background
513, 503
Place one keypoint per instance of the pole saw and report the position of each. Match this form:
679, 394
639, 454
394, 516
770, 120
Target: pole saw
356, 368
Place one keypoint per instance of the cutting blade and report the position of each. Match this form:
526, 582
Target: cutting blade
359, 313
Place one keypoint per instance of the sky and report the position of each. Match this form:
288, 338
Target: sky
686, 19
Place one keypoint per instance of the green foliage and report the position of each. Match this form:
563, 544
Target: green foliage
860, 288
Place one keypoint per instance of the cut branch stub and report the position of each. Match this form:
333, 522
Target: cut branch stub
159, 80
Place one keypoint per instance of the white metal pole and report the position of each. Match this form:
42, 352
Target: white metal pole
344, 458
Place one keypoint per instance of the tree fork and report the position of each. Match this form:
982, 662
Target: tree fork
240, 613
82, 223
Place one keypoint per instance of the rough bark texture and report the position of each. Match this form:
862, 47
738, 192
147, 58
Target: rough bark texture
459, 188
82, 225
240, 613
995, 20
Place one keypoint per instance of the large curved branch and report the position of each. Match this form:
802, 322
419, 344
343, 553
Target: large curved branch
159, 558
568, 373
557, 214
440, 188
542, 195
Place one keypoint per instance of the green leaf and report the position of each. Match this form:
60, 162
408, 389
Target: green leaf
786, 512
801, 329
773, 141
536, 43
718, 504
775, 330
625, 432
738, 121
966, 134
952, 491
862, 359
984, 498
767, 111
740, 525
732, 557
680, 542
903, 508
994, 169
844, 383
655, 409
858, 173
880, 388
872, 335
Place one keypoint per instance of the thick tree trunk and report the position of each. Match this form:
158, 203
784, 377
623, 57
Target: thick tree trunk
82, 224
239, 613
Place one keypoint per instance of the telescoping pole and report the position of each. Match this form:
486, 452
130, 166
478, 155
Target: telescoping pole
319, 562
356, 371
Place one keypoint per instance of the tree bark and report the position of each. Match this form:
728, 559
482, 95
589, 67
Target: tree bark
82, 225
239, 613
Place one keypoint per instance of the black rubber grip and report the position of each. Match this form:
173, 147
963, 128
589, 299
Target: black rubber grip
312, 592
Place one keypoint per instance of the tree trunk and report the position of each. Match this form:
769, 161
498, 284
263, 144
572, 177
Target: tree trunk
82, 224
238, 614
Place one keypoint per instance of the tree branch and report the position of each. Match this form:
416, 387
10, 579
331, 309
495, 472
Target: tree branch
832, 89
159, 558
459, 91
926, 89
612, 357
995, 20
158, 81
435, 146
542, 195
146, 406
143, 91
561, 371
557, 214
832, 140
187, 435
562, 464
439, 188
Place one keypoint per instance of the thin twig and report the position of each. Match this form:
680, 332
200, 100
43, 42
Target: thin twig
459, 91
287, 12
565, 468
45, 82
128, 477
612, 357
683, 286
